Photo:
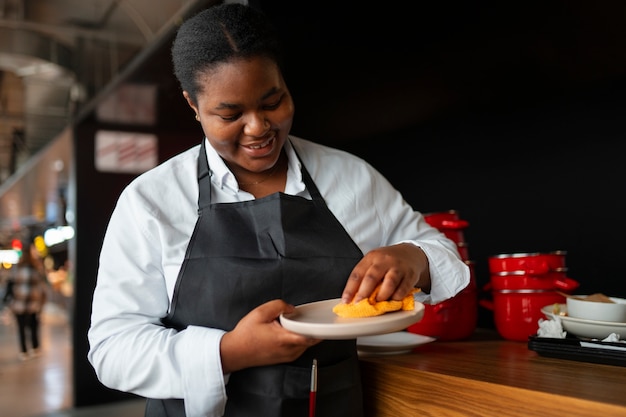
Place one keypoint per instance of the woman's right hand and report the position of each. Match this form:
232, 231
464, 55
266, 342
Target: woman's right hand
259, 339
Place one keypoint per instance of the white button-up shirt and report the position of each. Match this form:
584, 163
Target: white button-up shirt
145, 244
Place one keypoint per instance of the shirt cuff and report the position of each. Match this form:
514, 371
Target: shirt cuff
203, 380
449, 275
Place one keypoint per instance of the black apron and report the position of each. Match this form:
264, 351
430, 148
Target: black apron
246, 253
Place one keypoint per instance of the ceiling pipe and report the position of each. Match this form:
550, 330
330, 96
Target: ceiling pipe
21, 49
73, 32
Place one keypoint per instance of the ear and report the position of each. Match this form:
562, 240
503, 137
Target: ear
190, 102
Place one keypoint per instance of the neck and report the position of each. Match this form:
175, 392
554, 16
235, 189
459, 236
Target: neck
276, 171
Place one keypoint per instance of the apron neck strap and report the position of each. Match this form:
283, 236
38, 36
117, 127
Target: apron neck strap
204, 179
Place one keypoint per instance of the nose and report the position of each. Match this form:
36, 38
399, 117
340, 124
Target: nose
257, 125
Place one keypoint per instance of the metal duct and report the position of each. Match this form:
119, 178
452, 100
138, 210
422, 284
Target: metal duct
44, 67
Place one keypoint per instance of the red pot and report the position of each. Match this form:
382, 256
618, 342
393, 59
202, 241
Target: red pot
527, 263
516, 313
548, 281
449, 223
452, 319
446, 219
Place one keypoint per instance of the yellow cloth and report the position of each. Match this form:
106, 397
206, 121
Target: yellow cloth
369, 307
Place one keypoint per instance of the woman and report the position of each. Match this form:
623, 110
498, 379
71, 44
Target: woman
26, 296
204, 252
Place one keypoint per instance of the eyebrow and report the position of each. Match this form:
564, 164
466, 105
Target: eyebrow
231, 106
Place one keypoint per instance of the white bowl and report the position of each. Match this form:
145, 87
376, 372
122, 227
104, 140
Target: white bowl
580, 307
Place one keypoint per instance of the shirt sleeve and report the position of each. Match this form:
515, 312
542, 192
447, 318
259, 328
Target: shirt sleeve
401, 223
375, 214
130, 349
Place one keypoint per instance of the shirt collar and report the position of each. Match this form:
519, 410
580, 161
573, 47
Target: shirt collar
222, 177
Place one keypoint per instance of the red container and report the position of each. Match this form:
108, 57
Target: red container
549, 281
521, 285
452, 319
517, 312
446, 219
527, 263
449, 223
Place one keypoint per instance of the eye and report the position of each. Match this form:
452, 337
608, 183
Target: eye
274, 105
231, 118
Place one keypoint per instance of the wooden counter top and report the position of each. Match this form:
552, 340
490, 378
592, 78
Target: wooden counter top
486, 375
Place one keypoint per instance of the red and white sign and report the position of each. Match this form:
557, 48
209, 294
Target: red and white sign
125, 152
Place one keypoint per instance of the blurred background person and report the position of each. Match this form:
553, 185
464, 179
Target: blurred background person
25, 295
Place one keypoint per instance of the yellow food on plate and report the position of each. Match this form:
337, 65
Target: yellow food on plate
369, 307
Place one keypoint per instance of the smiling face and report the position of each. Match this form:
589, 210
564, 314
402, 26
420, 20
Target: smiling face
246, 113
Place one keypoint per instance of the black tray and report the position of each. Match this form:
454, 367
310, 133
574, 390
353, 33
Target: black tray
607, 353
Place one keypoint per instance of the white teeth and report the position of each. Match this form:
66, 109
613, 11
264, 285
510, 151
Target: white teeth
261, 146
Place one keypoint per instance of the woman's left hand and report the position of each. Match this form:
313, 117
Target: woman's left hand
400, 268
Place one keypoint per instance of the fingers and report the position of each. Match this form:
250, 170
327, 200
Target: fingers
392, 287
396, 268
269, 313
365, 278
363, 281
271, 310
259, 339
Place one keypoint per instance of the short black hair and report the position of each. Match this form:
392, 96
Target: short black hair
219, 34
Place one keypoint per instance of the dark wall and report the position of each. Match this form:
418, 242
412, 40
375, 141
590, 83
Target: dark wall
535, 179
510, 114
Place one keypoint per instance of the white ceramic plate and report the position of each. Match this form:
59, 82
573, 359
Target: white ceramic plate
318, 320
585, 328
391, 343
